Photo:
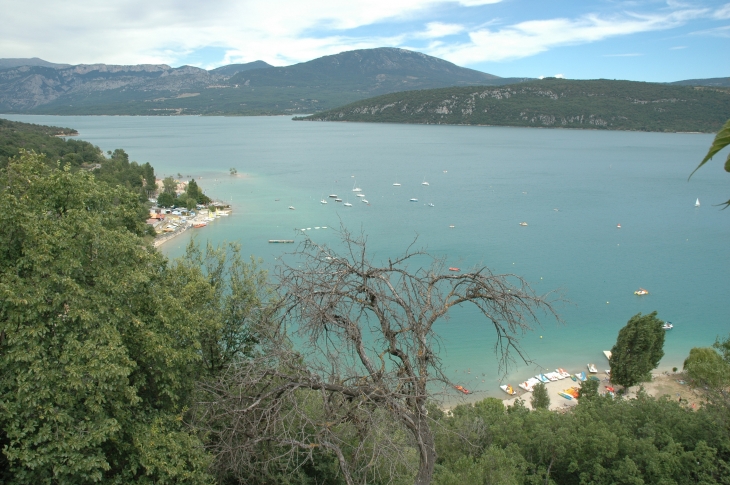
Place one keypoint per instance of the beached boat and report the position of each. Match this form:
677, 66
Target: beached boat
565, 395
563, 373
641, 291
542, 378
581, 376
574, 378
573, 391
553, 376
508, 389
462, 389
592, 368
529, 384
594, 378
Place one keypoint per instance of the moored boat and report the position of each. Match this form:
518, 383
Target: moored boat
641, 291
453, 268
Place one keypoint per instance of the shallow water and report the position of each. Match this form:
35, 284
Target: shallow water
484, 181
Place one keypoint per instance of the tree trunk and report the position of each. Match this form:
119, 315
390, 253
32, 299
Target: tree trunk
426, 450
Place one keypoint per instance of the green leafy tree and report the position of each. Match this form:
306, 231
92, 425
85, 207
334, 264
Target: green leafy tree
722, 139
638, 349
540, 398
99, 339
169, 186
165, 200
588, 390
708, 367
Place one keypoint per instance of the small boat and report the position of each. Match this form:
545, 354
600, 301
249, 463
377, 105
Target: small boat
323, 201
573, 391
414, 200
594, 378
618, 226
453, 268
361, 195
641, 291
338, 199
430, 204
581, 376
198, 225
574, 378
451, 226
365, 201
333, 196
529, 384
355, 188
667, 326
552, 376
608, 372
523, 223
697, 203
542, 378
347, 204
563, 373
508, 389
424, 181
566, 395
610, 389
396, 184
291, 207
462, 389
592, 368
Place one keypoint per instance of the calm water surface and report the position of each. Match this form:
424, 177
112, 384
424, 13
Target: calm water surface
484, 181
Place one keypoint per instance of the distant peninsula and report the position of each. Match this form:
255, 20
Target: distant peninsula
550, 103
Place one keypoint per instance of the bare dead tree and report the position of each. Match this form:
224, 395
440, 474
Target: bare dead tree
366, 360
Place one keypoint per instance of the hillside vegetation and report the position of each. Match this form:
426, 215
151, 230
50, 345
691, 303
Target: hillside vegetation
553, 103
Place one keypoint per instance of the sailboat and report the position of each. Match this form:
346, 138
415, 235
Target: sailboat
323, 201
347, 204
424, 181
697, 203
355, 188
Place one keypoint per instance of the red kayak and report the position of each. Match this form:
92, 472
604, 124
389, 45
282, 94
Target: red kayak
454, 269
462, 389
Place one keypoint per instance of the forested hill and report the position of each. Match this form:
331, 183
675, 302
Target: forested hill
558, 103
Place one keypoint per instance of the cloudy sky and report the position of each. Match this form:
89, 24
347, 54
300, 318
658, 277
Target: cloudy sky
578, 39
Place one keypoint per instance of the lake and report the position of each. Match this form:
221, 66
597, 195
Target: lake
571, 187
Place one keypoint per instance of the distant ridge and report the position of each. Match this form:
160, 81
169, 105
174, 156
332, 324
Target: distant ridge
550, 103
715, 81
33, 61
232, 69
239, 89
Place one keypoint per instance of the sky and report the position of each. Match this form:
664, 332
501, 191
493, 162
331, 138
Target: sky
648, 40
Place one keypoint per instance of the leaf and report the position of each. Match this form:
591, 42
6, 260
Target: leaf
722, 139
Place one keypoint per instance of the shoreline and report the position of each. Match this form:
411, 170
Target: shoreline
164, 237
664, 382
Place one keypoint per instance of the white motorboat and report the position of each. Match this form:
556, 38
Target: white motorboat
396, 184
424, 181
291, 207
333, 196
365, 201
323, 201
361, 195
414, 200
667, 326
347, 204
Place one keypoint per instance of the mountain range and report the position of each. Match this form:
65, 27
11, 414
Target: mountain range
36, 86
551, 103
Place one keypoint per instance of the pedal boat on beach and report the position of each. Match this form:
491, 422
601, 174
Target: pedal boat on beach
565, 395
529, 384
641, 291
462, 389
508, 389
592, 369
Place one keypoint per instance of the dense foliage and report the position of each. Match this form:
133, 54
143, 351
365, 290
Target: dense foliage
601, 441
102, 340
559, 103
638, 350
722, 139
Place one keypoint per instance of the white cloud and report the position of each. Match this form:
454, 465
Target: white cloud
533, 37
723, 12
678, 47
559, 76
435, 30
632, 54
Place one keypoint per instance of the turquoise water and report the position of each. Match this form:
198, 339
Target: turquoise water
484, 181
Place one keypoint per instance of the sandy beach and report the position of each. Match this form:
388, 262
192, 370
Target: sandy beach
663, 383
